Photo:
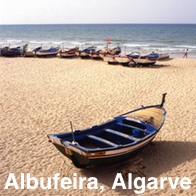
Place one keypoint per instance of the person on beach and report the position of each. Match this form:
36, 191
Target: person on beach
186, 53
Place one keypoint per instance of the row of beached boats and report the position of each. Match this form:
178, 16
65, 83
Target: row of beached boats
112, 56
57, 51
28, 52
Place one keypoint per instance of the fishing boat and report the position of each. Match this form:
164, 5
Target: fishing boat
134, 55
123, 59
115, 51
151, 56
143, 62
29, 52
106, 51
95, 55
48, 52
86, 52
103, 52
113, 141
163, 56
68, 53
110, 59
11, 52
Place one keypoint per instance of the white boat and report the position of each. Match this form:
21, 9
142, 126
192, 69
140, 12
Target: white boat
163, 56
143, 62
29, 52
110, 59
47, 53
123, 59
68, 53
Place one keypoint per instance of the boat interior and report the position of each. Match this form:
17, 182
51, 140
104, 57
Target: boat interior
119, 132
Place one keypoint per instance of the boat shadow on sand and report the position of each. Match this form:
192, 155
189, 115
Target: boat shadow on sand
164, 60
145, 63
155, 66
158, 158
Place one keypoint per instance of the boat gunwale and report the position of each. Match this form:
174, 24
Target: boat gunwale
112, 151
120, 146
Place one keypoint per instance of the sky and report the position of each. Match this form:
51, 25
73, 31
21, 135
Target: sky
97, 11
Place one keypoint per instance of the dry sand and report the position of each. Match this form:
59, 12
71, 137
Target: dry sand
40, 96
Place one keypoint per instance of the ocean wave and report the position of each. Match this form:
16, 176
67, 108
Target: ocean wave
129, 47
185, 46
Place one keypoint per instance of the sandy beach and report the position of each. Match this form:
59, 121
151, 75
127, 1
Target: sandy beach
40, 96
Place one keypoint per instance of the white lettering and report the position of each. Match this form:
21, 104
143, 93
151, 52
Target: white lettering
74, 181
92, 183
140, 187
119, 177
152, 183
66, 181
81, 182
56, 178
183, 181
31, 180
22, 181
48, 186
173, 185
102, 188
12, 178
139, 183
130, 181
162, 180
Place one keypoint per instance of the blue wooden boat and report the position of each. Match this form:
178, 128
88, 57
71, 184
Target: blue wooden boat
110, 59
68, 53
123, 59
47, 53
109, 52
95, 54
87, 52
11, 52
134, 55
115, 51
151, 56
31, 52
113, 141
143, 62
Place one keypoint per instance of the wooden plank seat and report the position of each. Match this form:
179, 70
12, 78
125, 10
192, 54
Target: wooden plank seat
121, 134
133, 123
132, 127
101, 140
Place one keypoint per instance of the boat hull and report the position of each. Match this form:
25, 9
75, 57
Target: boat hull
52, 52
84, 55
101, 158
144, 62
95, 56
29, 54
125, 60
67, 55
110, 59
46, 54
11, 53
163, 56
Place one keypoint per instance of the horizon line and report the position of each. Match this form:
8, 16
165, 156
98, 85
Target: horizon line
100, 24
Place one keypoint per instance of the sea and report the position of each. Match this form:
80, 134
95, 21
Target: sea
143, 38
